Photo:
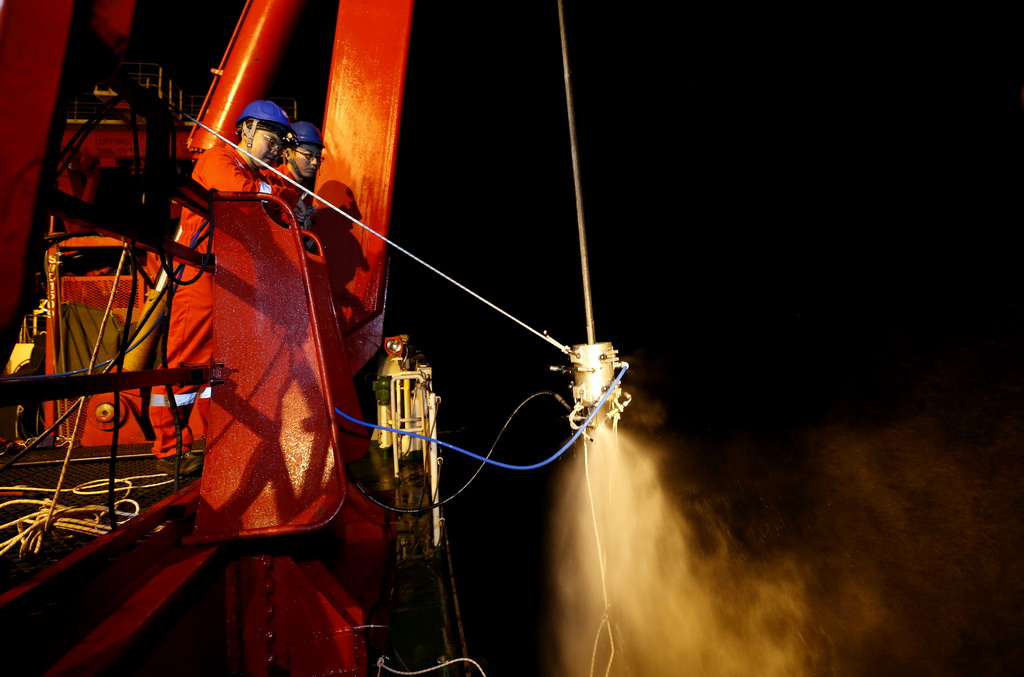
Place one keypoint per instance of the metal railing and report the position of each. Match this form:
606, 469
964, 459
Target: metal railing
86, 106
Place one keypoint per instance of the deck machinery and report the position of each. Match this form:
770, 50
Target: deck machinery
312, 545
273, 562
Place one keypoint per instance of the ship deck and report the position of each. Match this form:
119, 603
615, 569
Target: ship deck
35, 477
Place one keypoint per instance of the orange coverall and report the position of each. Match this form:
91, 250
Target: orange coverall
190, 335
290, 194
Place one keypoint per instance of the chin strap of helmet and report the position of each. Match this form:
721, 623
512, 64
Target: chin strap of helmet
295, 167
249, 127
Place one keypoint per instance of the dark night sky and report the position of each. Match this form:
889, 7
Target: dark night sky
795, 219
795, 223
766, 164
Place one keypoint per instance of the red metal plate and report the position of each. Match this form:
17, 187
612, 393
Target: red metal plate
273, 462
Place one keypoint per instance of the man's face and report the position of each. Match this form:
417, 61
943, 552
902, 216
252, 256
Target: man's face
305, 159
266, 146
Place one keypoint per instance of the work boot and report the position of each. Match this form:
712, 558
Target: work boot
191, 464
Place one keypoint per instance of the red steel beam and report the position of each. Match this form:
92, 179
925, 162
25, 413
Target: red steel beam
265, 30
32, 48
361, 123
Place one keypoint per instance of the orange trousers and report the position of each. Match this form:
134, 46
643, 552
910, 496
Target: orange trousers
189, 341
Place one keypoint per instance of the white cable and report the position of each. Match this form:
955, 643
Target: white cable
92, 365
565, 349
605, 623
84, 488
380, 666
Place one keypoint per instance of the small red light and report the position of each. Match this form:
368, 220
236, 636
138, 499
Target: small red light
394, 345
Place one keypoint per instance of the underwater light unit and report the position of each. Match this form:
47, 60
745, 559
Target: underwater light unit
593, 372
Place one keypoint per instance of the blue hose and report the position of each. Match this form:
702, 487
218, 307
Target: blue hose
572, 440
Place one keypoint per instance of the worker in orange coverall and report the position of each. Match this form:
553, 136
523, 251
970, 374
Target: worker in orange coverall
300, 162
264, 129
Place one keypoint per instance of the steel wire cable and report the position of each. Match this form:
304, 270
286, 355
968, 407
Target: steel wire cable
543, 335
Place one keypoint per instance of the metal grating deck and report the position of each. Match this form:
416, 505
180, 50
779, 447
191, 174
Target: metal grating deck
35, 477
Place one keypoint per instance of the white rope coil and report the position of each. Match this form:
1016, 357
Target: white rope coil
60, 521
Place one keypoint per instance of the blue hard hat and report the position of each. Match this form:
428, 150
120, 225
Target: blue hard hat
306, 132
265, 111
